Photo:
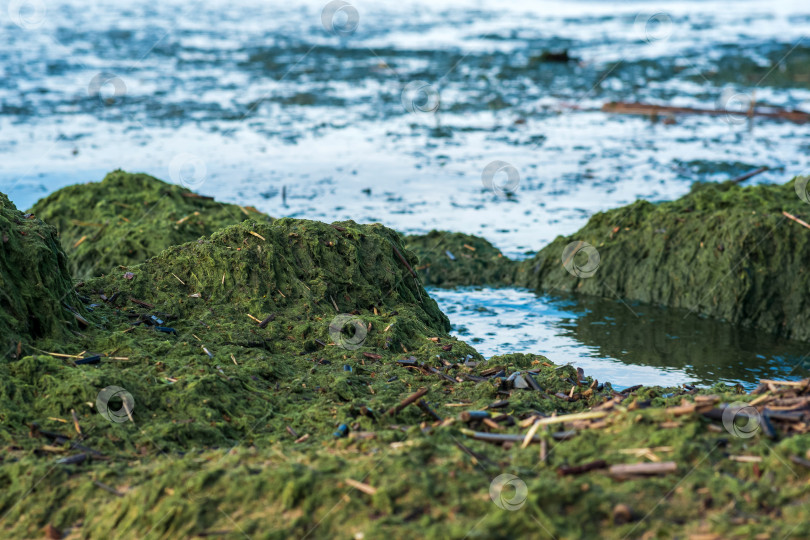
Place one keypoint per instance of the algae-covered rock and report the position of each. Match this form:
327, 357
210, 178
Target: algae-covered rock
455, 259
36, 291
298, 274
722, 250
291, 321
127, 218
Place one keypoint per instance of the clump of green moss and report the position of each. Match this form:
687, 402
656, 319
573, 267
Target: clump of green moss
297, 274
455, 259
205, 328
127, 218
722, 250
36, 293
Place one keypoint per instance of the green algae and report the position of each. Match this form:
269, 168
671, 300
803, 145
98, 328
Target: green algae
302, 273
36, 293
216, 363
722, 250
127, 218
453, 259
233, 429
429, 480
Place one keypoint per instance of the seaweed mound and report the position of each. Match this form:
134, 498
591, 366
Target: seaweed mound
293, 275
455, 259
127, 218
730, 252
287, 320
36, 292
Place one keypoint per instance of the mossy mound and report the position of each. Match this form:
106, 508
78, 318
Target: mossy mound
213, 330
36, 292
722, 250
297, 274
127, 218
455, 259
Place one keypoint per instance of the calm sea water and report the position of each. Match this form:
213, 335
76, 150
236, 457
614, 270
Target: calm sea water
390, 112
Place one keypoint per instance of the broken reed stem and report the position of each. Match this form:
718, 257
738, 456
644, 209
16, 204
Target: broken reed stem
360, 486
589, 415
798, 117
407, 401
76, 423
129, 412
530, 435
497, 437
58, 355
800, 222
573, 253
643, 469
401, 258
803, 382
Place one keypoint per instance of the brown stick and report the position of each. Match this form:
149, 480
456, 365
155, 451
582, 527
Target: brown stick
401, 258
76, 423
800, 222
267, 320
430, 412
191, 195
360, 486
646, 109
743, 177
476, 458
407, 401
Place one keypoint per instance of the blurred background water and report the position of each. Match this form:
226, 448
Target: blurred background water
392, 116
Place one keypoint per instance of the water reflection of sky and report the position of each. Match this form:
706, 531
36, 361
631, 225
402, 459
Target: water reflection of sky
612, 342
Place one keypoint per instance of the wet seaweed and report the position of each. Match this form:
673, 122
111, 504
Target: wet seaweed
36, 292
455, 259
723, 250
293, 378
128, 217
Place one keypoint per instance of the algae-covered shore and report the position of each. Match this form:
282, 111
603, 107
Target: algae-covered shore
211, 371
734, 253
